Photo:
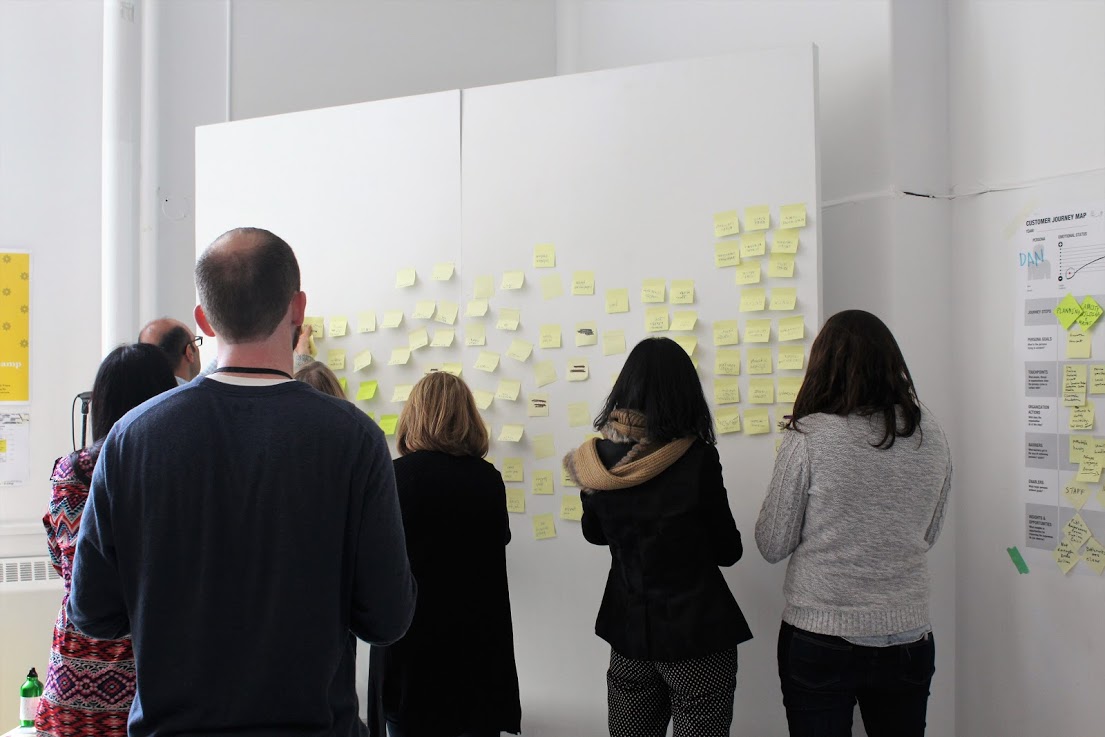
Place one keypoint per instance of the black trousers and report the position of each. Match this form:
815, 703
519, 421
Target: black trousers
394, 730
823, 677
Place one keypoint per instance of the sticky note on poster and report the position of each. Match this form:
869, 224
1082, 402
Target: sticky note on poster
399, 356
484, 286
508, 390
792, 216
780, 266
551, 287
424, 310
1094, 555
1091, 310
726, 254
756, 422
726, 332
579, 414
401, 393
520, 350
447, 312
511, 433
550, 336
791, 358
726, 223
688, 343
753, 244
476, 308
543, 483
759, 361
583, 283
617, 301
1067, 311
684, 320
335, 360
1097, 378
757, 217
682, 291
475, 334
537, 404
753, 299
1082, 418
792, 328
653, 291
578, 369
544, 527
338, 327
1074, 385
613, 342
785, 241
656, 319
362, 360
487, 361
544, 373
543, 446
728, 420
418, 339
1078, 344
760, 391
508, 318
783, 299
443, 338
757, 331
587, 333
544, 256
406, 278
392, 319
442, 272
727, 363
1077, 494
516, 501
366, 322
571, 507
367, 390
483, 398
512, 280
726, 391
388, 423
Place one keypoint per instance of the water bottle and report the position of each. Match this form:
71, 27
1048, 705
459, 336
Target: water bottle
29, 694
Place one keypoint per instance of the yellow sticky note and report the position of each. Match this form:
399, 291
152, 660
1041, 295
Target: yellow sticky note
338, 327
1067, 311
335, 360
1091, 310
511, 433
508, 389
544, 256
565, 478
362, 360
571, 507
550, 336
452, 368
617, 300
791, 328
519, 350
537, 404
753, 299
399, 356
726, 333
792, 216
785, 241
392, 318
542, 483
475, 334
727, 363
424, 310
512, 280
388, 423
757, 331
418, 339
367, 390
484, 287
1074, 385
516, 501
788, 388
728, 419
759, 361
401, 392
579, 414
726, 223
1097, 378
483, 398
578, 369
684, 320
727, 391
1094, 555
613, 342
1089, 469
476, 308
342, 382
1077, 531
551, 287
1081, 418
508, 318
1078, 344
682, 291
442, 272
656, 319
726, 254
487, 361
317, 326
366, 322
443, 338
447, 313
406, 278
583, 283
780, 266
544, 527
747, 273
1079, 444
760, 391
756, 422
1077, 494
587, 333
688, 343
753, 244
653, 291
544, 373
543, 447
783, 298
513, 470
791, 357
757, 217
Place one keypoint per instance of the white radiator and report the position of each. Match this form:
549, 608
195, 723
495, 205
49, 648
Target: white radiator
27, 574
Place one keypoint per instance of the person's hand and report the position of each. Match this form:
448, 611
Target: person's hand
303, 345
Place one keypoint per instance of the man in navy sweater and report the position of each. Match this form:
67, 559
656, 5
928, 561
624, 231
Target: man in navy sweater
244, 527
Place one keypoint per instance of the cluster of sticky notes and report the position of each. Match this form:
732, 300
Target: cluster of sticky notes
1078, 543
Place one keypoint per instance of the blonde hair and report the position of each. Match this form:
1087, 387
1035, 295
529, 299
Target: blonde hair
441, 415
319, 375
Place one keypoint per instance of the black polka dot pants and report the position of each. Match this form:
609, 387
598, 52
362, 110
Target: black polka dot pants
695, 695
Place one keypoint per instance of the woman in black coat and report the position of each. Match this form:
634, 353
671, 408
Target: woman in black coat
652, 491
453, 674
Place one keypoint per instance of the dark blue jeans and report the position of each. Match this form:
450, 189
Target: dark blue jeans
823, 677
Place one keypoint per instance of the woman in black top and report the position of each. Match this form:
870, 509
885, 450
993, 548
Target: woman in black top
453, 674
652, 491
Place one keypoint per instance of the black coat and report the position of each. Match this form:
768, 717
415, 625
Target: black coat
665, 597
454, 670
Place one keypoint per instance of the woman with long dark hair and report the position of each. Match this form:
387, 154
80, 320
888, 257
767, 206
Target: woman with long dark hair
90, 683
857, 499
652, 491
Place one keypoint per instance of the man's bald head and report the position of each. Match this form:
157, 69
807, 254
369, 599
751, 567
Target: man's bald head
246, 280
177, 341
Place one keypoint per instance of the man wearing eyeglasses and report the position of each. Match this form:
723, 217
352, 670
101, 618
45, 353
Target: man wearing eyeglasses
179, 343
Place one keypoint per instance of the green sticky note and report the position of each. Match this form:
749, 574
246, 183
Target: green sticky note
1091, 310
388, 423
1018, 561
367, 390
1067, 311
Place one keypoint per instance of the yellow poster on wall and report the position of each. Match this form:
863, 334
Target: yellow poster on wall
15, 327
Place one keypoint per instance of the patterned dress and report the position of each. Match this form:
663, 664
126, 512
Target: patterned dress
90, 683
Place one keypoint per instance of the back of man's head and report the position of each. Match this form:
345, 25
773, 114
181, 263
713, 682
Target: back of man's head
246, 279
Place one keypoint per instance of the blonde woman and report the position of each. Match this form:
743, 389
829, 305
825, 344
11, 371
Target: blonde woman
319, 375
453, 674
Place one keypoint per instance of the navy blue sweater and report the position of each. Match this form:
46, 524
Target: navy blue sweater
242, 536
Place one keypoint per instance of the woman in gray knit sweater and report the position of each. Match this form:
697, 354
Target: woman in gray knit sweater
856, 500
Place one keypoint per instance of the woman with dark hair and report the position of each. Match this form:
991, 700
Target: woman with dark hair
90, 683
652, 491
856, 500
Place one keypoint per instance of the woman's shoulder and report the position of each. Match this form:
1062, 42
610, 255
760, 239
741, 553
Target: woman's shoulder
434, 462
74, 468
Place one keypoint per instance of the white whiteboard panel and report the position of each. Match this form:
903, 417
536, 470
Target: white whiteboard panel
623, 170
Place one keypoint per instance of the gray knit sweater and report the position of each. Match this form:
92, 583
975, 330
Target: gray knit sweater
856, 522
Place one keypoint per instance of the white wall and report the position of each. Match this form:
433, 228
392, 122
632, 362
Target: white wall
1028, 101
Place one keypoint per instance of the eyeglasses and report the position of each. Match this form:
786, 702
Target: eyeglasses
196, 341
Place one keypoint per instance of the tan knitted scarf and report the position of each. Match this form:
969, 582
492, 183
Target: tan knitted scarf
644, 461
